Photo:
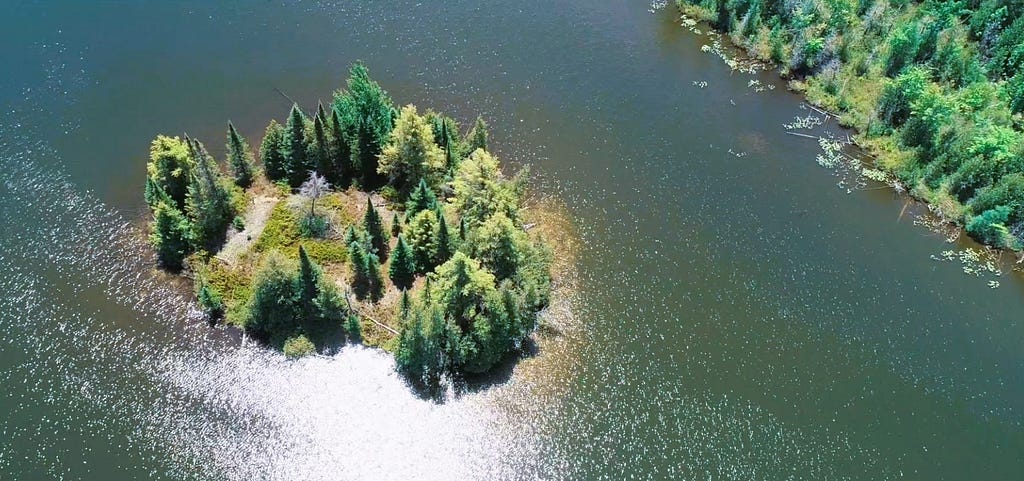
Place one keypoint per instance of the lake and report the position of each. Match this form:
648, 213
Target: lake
738, 312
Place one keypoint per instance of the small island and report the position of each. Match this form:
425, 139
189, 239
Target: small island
360, 223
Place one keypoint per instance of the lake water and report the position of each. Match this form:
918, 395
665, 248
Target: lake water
737, 313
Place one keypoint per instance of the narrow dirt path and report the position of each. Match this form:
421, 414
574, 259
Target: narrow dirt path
255, 220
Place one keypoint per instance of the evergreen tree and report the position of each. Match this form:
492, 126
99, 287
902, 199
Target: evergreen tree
154, 194
239, 158
462, 229
341, 153
477, 137
372, 117
411, 355
172, 235
208, 203
422, 235
275, 165
396, 225
403, 265
360, 271
298, 164
411, 153
308, 288
376, 282
272, 308
375, 230
404, 306
320, 152
421, 199
444, 240
210, 300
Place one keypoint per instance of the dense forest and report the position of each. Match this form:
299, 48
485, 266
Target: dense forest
935, 90
369, 210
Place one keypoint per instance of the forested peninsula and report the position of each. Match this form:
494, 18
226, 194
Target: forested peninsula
935, 90
359, 222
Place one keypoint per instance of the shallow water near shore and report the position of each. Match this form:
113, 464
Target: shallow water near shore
735, 314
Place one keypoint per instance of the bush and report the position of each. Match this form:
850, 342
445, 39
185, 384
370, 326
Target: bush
298, 346
313, 226
990, 227
238, 223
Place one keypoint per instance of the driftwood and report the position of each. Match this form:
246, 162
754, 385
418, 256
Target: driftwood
378, 323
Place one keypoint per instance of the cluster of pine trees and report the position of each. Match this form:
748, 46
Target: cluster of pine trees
190, 199
936, 87
471, 280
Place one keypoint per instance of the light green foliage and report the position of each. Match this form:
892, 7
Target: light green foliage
422, 234
411, 153
170, 167
298, 346
899, 95
481, 191
403, 265
239, 158
500, 245
275, 166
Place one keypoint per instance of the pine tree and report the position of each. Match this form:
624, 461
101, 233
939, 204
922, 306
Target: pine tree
403, 266
360, 271
477, 137
396, 225
298, 165
462, 229
444, 241
375, 230
275, 165
308, 286
208, 203
239, 158
422, 198
404, 305
375, 280
422, 234
172, 235
373, 116
154, 194
320, 152
341, 153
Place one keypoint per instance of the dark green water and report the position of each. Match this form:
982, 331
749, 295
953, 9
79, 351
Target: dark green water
737, 317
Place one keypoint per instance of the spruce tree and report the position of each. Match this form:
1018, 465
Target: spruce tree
308, 286
422, 198
403, 266
422, 235
396, 225
239, 158
298, 165
341, 153
477, 137
373, 116
444, 240
375, 229
404, 306
172, 235
208, 203
360, 271
462, 229
275, 166
320, 152
376, 282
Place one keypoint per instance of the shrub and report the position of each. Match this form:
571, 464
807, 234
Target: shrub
298, 346
238, 223
990, 227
